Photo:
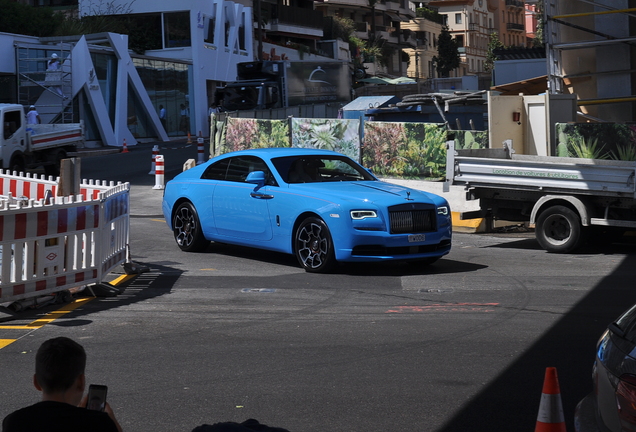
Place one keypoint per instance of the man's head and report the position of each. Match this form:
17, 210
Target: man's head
58, 364
32, 107
54, 56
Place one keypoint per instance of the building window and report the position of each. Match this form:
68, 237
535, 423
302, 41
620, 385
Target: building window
176, 29
458, 18
460, 40
210, 28
241, 33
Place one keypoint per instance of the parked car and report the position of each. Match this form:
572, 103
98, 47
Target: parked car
611, 407
319, 205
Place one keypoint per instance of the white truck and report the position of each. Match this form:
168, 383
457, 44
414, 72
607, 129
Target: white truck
30, 146
568, 199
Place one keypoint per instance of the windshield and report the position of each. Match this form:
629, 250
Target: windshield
314, 169
627, 324
239, 98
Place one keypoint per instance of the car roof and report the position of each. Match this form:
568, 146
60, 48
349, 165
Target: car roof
275, 152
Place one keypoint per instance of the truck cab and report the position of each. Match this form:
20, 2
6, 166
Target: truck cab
13, 141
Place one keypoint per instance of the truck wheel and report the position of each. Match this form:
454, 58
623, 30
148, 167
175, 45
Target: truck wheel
559, 230
17, 164
56, 158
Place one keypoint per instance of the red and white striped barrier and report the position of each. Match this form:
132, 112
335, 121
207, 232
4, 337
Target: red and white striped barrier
50, 244
155, 152
200, 150
159, 175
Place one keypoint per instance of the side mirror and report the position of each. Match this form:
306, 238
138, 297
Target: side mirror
257, 178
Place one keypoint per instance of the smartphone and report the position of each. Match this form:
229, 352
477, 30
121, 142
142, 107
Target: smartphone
96, 397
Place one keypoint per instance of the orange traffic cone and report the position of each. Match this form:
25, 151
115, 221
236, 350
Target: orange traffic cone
550, 418
125, 150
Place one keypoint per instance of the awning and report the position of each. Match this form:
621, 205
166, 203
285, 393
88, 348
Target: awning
531, 86
381, 80
395, 17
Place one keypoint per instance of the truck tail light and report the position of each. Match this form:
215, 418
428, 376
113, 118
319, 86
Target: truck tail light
626, 401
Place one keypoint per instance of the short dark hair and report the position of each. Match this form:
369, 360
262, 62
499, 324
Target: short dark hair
58, 363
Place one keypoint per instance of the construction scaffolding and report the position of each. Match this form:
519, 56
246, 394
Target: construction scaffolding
44, 80
590, 47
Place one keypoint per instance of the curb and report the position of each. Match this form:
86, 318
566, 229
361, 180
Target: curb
467, 225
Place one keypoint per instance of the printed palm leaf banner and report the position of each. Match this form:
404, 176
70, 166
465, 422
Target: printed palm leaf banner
342, 136
597, 140
217, 135
242, 133
405, 150
471, 139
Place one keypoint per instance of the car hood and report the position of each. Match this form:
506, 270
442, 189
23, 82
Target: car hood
377, 192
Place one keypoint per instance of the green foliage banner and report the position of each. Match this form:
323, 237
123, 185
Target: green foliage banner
398, 150
597, 140
342, 136
242, 133
412, 150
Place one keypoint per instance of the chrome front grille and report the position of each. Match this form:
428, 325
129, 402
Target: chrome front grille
412, 221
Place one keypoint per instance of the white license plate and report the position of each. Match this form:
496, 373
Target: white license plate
413, 238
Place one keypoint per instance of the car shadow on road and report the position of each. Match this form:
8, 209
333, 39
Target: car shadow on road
511, 401
391, 268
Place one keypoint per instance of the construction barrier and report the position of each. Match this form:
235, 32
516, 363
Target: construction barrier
155, 152
159, 174
50, 244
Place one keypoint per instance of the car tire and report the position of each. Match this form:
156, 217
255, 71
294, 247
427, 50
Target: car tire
313, 246
187, 229
559, 230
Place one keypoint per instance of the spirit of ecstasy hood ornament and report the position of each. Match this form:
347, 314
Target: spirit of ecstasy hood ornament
408, 196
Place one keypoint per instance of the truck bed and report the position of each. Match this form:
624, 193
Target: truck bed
499, 170
44, 136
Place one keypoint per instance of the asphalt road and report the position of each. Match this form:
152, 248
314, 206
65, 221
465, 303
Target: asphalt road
233, 333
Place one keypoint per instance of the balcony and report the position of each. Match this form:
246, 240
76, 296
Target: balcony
515, 27
473, 27
295, 16
361, 27
515, 4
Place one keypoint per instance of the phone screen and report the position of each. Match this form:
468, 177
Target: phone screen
96, 397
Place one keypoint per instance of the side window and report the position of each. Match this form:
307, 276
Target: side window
12, 121
216, 171
236, 169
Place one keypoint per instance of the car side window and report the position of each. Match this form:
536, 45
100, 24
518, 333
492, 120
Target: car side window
237, 168
216, 171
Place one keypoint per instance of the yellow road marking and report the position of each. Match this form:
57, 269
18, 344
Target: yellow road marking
51, 316
121, 279
5, 342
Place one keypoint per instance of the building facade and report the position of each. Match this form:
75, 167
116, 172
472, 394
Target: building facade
470, 22
422, 64
509, 21
385, 18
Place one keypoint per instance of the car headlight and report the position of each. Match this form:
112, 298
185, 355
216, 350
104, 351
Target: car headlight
363, 214
443, 210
